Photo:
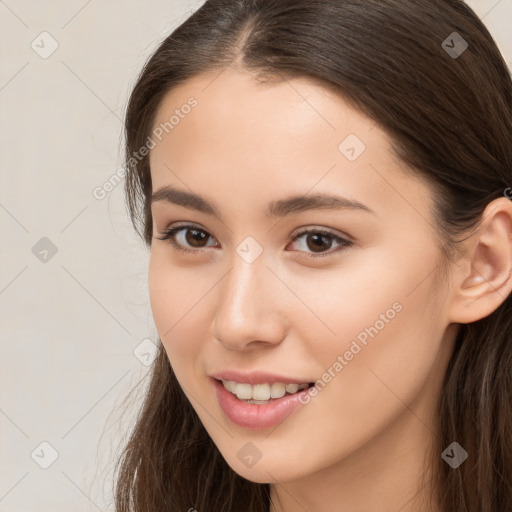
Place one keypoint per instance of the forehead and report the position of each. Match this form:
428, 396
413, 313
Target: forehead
255, 139
245, 121
231, 100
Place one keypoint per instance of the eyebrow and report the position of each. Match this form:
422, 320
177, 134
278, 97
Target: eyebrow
279, 208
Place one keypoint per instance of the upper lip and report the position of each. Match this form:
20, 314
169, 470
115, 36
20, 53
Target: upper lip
256, 377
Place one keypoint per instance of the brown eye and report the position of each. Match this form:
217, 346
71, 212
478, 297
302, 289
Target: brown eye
186, 238
318, 242
195, 237
191, 239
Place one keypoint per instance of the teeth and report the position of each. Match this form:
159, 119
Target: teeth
277, 390
229, 385
292, 388
243, 391
261, 392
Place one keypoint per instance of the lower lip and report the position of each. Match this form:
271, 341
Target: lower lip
254, 416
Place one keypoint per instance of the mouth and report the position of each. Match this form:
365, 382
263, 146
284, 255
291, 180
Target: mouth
261, 405
262, 394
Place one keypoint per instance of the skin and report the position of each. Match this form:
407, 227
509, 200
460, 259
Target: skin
361, 443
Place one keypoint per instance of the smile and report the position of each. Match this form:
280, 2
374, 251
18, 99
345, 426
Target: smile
262, 394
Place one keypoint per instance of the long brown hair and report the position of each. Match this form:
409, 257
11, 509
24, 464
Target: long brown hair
448, 112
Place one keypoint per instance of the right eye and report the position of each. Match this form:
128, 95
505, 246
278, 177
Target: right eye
177, 238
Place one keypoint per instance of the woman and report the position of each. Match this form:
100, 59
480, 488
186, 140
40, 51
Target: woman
323, 188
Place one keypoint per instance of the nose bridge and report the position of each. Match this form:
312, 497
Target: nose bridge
248, 308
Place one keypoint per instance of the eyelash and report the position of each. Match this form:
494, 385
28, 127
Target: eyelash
168, 236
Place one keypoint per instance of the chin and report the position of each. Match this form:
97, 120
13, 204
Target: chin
266, 471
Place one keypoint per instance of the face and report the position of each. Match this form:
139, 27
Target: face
340, 287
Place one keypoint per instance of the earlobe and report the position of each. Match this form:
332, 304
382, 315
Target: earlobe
485, 280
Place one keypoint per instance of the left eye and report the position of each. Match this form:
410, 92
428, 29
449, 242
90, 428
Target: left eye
314, 240
317, 240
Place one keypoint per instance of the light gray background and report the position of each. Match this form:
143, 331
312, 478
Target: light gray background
73, 325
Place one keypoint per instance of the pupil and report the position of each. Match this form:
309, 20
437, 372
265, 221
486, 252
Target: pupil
196, 237
317, 237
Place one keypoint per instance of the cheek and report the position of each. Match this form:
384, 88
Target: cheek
163, 300
179, 301
389, 343
385, 368
387, 326
367, 298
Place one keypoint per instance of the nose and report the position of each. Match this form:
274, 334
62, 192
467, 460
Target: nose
251, 308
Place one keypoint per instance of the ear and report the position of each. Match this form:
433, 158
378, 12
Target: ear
483, 277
